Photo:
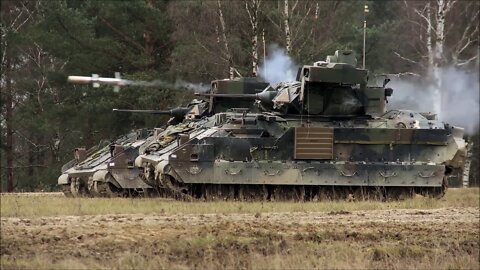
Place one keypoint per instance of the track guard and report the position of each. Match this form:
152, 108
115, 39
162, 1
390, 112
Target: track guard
63, 179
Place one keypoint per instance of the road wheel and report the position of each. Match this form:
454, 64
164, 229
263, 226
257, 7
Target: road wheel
66, 191
436, 192
77, 187
361, 194
106, 189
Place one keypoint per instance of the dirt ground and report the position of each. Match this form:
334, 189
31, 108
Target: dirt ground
396, 238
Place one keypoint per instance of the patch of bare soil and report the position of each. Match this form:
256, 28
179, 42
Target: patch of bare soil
446, 237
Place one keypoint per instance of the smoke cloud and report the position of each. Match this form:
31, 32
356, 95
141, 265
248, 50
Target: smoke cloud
179, 84
278, 66
459, 100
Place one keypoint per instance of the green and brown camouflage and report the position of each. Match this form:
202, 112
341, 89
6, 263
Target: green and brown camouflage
194, 110
327, 88
325, 135
109, 170
105, 168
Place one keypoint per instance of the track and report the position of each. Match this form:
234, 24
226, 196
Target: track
216, 192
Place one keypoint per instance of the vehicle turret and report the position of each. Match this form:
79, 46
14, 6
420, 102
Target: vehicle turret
334, 87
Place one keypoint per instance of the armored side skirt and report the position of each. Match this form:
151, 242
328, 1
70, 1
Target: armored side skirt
303, 173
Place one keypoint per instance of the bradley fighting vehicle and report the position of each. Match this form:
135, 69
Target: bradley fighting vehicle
325, 135
107, 169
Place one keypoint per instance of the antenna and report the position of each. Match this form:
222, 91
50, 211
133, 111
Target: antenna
365, 11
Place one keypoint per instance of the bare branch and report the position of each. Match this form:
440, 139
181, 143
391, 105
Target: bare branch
449, 5
417, 24
30, 14
294, 6
466, 62
27, 139
298, 26
207, 50
12, 25
407, 59
120, 33
247, 7
427, 20
465, 40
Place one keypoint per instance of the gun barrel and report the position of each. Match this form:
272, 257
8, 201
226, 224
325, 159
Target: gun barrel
247, 96
178, 112
266, 96
169, 112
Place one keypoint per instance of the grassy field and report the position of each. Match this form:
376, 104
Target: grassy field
62, 233
25, 206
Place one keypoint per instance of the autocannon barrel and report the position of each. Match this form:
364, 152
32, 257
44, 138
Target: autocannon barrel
178, 112
265, 96
246, 96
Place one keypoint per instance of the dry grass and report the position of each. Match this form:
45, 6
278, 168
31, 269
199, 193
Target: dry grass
25, 206
62, 233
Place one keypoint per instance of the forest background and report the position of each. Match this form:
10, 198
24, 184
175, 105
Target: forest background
43, 118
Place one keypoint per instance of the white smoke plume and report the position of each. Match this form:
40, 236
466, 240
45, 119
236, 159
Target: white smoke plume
179, 84
459, 101
195, 87
278, 66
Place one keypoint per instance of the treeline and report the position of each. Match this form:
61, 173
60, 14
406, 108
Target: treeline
43, 41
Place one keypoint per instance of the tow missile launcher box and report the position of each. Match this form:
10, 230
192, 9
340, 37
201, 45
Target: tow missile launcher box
237, 86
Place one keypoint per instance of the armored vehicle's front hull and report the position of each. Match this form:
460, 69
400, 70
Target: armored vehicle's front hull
105, 171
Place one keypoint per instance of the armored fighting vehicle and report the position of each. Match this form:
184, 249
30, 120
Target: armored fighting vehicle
107, 169
325, 135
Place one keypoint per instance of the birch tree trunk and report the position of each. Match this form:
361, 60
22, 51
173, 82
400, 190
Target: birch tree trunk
433, 19
443, 7
286, 21
429, 38
225, 41
9, 123
252, 7
438, 56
